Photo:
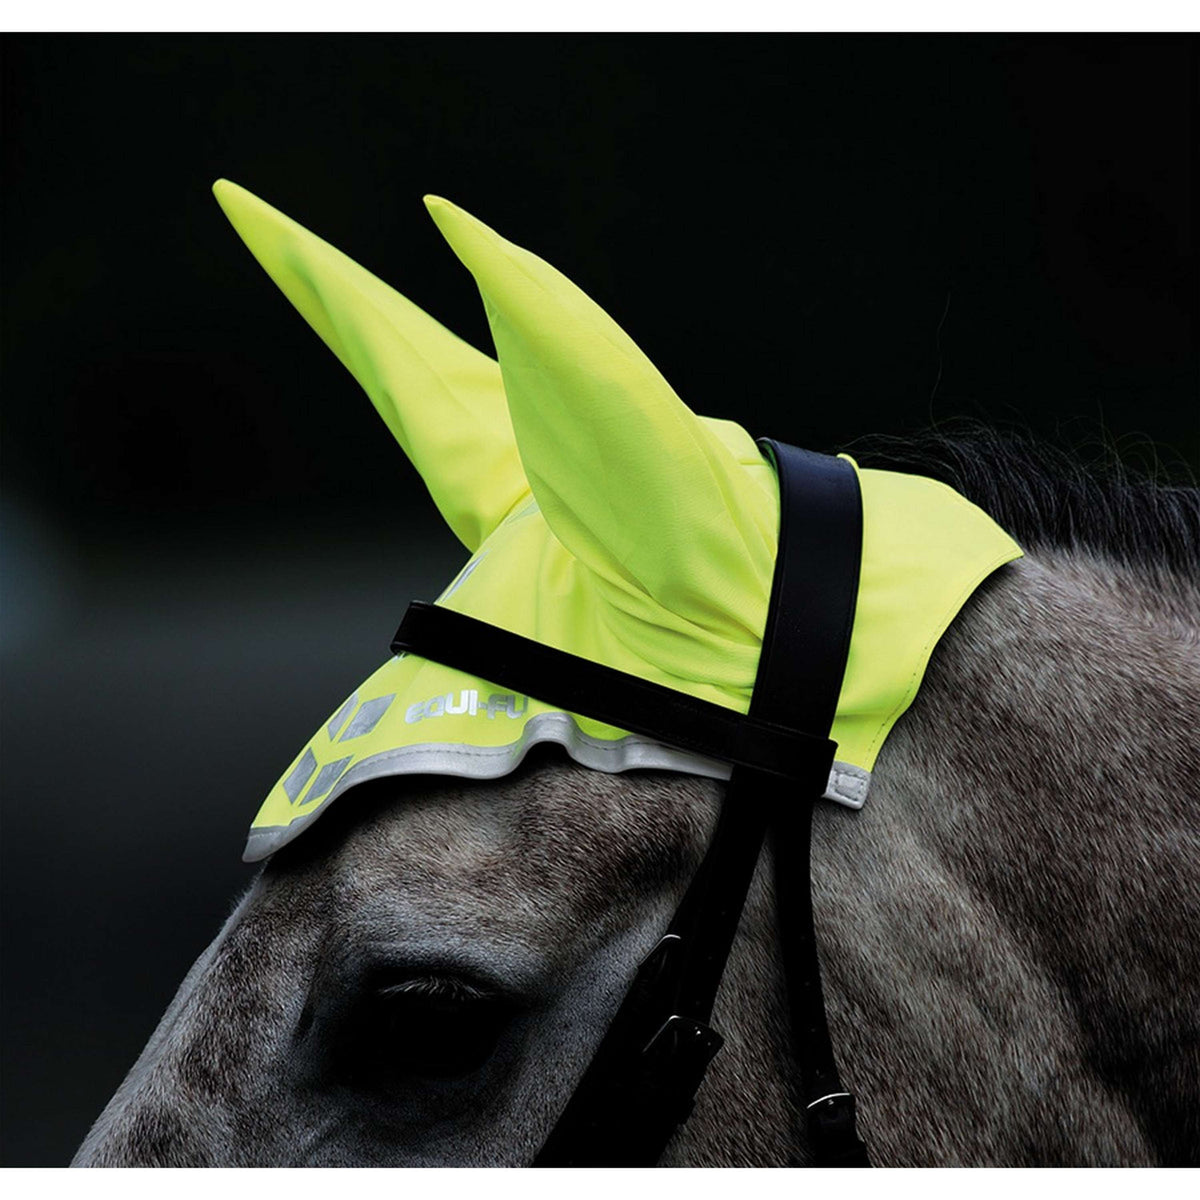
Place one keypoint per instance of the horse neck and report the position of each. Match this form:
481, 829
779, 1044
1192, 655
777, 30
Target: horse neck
1063, 702
1023, 879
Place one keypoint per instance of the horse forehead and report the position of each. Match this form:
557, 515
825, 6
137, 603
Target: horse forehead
556, 831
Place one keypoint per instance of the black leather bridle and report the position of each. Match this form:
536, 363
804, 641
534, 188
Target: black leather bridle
641, 1084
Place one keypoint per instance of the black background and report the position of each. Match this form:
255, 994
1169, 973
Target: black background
208, 535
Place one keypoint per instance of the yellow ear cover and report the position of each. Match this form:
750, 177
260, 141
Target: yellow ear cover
606, 519
442, 399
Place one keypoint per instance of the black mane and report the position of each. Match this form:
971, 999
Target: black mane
1049, 498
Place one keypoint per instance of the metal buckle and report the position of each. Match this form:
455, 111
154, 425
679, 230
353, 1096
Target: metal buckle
685, 1040
832, 1135
677, 1057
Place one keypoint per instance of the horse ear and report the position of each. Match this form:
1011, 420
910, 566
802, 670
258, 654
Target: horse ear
644, 492
443, 400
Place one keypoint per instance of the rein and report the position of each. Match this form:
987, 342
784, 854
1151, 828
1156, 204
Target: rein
642, 1081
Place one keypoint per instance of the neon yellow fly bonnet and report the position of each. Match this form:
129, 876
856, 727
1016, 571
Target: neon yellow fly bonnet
603, 518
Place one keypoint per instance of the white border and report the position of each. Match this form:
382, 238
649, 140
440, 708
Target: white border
633, 1184
603, 16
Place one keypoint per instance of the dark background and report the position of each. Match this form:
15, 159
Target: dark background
208, 535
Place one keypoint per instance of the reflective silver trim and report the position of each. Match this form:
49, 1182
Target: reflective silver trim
848, 784
339, 717
367, 717
463, 575
299, 775
330, 773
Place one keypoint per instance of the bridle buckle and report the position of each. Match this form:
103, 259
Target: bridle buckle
677, 1057
832, 1133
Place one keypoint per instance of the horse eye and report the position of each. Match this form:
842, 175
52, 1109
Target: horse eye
434, 1027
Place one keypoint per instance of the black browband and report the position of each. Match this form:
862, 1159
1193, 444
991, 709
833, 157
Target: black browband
641, 1084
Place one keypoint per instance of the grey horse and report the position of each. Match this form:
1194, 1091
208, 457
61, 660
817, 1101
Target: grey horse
1007, 930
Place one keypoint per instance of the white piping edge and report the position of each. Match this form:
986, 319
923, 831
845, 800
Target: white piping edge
848, 784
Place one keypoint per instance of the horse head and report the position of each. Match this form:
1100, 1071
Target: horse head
461, 879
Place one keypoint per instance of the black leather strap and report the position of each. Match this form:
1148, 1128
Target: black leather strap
815, 590
643, 1079
805, 645
579, 685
